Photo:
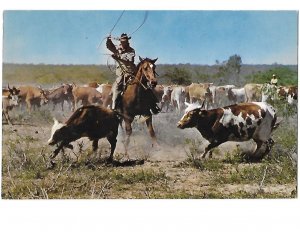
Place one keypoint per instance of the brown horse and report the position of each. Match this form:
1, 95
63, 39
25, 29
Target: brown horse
138, 98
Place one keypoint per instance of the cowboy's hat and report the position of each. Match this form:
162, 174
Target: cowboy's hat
124, 37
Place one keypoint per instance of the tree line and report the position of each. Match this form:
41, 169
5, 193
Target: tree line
231, 71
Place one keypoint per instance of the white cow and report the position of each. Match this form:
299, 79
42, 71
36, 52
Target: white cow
178, 98
236, 95
166, 97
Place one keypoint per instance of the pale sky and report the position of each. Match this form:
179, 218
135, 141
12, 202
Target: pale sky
196, 37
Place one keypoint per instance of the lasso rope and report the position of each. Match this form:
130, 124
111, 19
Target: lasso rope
111, 29
145, 18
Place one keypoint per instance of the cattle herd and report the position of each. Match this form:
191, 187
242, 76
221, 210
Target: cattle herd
220, 113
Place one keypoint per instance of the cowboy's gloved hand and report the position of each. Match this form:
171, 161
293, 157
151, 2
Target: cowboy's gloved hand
108, 41
114, 56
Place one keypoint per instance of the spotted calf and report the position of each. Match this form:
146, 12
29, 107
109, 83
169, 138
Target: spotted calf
239, 122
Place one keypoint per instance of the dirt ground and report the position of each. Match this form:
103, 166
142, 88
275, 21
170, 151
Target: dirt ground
169, 170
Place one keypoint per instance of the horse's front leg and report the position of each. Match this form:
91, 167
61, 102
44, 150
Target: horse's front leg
128, 130
151, 130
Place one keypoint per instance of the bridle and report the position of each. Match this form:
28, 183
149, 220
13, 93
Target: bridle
131, 81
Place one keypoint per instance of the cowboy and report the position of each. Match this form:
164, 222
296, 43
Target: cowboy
274, 80
125, 67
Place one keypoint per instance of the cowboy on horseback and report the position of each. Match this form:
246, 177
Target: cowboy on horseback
125, 67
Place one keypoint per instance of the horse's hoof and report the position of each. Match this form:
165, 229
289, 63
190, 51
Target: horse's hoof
109, 160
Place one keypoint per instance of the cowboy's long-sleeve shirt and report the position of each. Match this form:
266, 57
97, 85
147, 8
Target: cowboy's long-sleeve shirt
124, 58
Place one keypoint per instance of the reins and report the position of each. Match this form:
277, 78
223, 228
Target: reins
145, 87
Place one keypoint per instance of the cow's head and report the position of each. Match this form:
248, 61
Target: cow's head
167, 94
13, 99
58, 132
44, 99
67, 88
13, 96
13, 90
192, 115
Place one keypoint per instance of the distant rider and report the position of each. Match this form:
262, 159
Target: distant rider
274, 80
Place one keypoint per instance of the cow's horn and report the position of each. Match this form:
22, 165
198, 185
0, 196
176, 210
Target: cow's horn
186, 103
55, 120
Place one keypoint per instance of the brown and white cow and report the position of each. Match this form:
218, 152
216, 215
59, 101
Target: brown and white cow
105, 90
290, 93
10, 98
239, 122
32, 96
88, 95
94, 122
158, 92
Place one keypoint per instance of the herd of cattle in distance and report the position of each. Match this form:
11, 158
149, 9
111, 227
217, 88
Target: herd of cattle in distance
248, 116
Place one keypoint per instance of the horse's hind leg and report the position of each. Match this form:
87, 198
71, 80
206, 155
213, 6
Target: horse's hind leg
151, 130
128, 129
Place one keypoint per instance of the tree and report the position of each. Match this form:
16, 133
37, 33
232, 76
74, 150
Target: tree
230, 69
179, 76
234, 64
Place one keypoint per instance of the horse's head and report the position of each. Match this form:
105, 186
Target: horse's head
146, 68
